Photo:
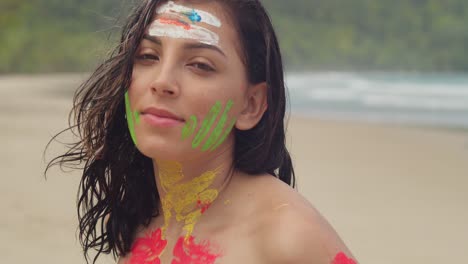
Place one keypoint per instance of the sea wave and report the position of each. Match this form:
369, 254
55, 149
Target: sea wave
412, 96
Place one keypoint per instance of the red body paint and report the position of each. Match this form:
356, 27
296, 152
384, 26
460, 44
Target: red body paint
188, 252
203, 205
341, 258
175, 22
146, 250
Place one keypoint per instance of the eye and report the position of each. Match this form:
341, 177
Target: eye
147, 57
202, 66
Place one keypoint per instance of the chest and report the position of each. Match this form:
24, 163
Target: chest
227, 247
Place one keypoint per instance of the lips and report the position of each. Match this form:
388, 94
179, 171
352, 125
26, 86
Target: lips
161, 113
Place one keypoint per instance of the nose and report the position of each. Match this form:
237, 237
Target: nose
165, 83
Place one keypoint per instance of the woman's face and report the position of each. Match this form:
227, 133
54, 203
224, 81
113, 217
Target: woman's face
189, 85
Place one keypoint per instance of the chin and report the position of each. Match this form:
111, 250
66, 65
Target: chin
159, 145
160, 149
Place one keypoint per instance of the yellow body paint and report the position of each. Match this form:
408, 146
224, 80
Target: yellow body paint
280, 206
183, 198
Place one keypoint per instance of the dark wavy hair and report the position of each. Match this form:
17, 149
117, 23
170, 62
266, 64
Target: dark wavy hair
117, 191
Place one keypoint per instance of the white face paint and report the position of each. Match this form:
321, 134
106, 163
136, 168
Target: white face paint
181, 21
203, 35
203, 16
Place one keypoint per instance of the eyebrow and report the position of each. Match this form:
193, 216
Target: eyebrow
188, 45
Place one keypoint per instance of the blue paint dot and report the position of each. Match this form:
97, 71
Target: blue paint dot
194, 16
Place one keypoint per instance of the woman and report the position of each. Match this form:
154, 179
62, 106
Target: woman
182, 135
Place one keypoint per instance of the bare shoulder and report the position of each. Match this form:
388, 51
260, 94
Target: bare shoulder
292, 230
121, 260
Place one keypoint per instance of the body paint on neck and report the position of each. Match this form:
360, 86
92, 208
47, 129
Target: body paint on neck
133, 118
194, 15
163, 28
217, 136
184, 198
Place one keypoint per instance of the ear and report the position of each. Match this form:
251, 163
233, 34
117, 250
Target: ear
254, 107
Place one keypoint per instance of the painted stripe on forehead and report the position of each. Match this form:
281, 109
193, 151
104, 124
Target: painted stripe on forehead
160, 28
194, 15
175, 22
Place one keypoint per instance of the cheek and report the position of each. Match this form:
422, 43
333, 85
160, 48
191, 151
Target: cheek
210, 129
142, 77
138, 81
138, 87
202, 103
237, 96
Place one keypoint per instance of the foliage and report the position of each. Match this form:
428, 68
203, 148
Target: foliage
415, 35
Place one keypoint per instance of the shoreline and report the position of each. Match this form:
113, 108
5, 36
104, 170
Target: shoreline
385, 123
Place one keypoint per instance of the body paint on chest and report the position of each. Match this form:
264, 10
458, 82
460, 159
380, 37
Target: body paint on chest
341, 258
189, 252
148, 250
217, 136
133, 118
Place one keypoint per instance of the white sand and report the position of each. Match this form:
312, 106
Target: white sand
394, 194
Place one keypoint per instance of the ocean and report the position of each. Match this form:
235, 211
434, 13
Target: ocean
437, 99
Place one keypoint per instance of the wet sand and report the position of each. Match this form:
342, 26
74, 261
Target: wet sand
395, 194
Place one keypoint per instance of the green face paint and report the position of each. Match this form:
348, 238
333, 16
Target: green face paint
226, 133
137, 117
189, 127
206, 125
131, 118
215, 139
219, 128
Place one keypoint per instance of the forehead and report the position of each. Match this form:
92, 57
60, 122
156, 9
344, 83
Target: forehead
207, 20
207, 12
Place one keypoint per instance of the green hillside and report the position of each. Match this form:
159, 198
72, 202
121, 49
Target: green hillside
417, 35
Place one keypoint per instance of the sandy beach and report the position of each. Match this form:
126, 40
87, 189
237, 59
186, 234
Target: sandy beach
395, 194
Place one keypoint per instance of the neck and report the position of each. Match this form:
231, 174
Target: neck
188, 188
